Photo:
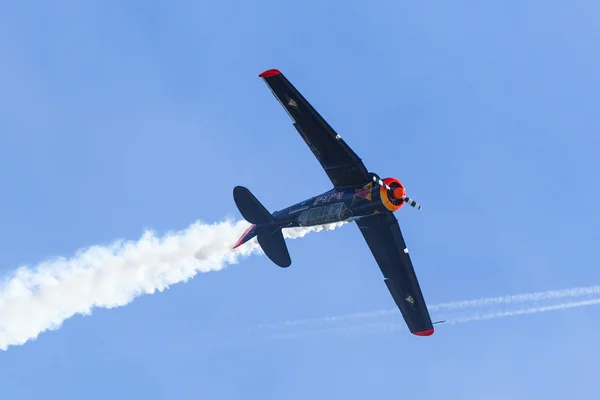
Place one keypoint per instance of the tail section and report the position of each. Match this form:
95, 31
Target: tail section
269, 235
273, 244
247, 235
250, 207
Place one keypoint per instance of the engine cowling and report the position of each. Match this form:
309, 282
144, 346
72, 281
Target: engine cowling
392, 198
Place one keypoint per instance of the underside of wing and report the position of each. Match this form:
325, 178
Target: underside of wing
384, 238
339, 161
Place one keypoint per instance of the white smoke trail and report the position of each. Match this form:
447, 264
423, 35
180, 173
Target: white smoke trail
577, 292
41, 298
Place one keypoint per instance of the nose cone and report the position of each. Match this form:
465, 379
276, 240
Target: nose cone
399, 193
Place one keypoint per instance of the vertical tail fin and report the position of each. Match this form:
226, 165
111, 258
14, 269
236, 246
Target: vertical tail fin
269, 235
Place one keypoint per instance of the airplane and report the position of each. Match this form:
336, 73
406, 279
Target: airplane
357, 195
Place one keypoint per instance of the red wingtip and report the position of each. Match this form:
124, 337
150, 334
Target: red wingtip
270, 72
424, 333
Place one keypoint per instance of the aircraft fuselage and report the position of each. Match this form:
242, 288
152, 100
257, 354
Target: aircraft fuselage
339, 204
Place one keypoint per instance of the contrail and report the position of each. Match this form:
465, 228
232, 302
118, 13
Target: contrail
577, 292
386, 327
374, 327
523, 311
42, 297
521, 298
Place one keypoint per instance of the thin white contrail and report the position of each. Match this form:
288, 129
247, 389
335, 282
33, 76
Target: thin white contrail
577, 292
42, 297
524, 311
521, 298
386, 327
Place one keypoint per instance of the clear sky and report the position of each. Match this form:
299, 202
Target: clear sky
119, 117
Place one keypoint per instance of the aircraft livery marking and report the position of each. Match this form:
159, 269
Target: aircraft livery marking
365, 191
328, 197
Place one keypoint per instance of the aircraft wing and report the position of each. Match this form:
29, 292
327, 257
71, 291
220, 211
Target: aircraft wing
384, 238
339, 161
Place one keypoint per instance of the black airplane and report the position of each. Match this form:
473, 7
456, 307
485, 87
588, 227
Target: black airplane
357, 195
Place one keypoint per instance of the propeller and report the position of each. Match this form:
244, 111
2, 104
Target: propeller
406, 199
379, 181
411, 202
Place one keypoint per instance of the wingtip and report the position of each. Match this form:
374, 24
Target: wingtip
268, 73
428, 332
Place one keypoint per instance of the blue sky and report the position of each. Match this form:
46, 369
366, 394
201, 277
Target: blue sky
120, 117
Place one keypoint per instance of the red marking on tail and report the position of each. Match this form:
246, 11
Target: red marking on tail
241, 241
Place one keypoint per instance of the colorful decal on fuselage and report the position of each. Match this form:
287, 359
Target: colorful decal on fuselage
364, 192
328, 197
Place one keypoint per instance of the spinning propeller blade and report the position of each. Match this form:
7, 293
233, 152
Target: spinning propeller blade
412, 203
406, 199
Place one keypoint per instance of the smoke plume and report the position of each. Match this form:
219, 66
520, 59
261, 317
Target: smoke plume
39, 298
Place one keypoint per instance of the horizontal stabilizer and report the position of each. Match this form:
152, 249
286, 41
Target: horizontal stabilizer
275, 248
249, 206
